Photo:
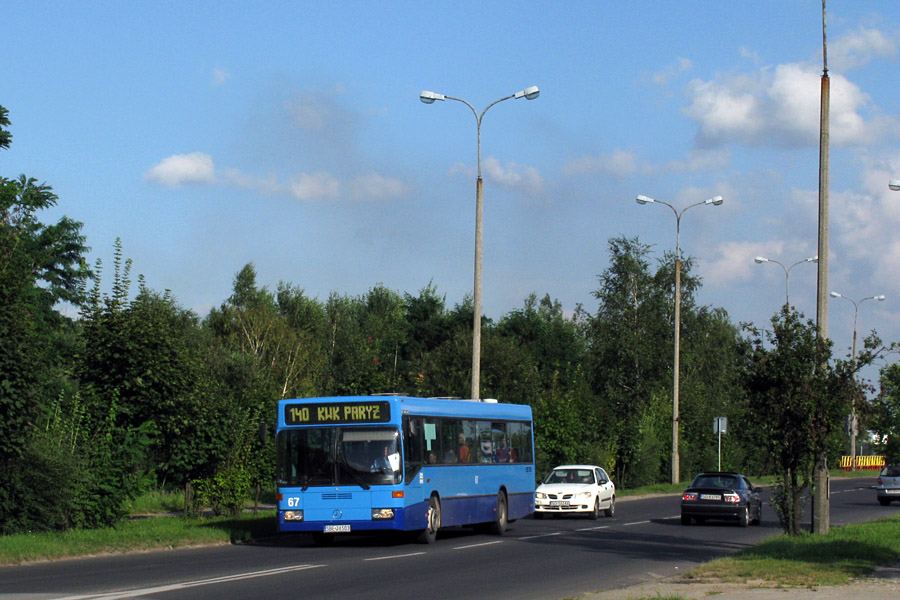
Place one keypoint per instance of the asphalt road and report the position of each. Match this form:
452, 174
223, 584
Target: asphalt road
546, 559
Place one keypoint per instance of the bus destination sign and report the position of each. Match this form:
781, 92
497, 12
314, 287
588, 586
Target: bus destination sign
337, 413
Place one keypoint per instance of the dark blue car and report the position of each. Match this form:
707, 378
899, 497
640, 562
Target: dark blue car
722, 496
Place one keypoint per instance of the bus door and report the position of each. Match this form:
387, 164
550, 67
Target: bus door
413, 476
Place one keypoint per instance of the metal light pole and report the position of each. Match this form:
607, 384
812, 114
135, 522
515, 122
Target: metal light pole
529, 93
787, 271
717, 200
856, 304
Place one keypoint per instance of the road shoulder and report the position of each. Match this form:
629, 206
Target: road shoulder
883, 584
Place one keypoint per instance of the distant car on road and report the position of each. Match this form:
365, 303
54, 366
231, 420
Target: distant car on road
721, 495
579, 489
888, 485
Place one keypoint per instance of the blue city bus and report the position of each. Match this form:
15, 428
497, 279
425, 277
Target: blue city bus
397, 463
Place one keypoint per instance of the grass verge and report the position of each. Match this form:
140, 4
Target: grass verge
135, 535
837, 558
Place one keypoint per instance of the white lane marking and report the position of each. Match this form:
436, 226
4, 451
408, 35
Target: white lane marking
394, 556
189, 584
477, 545
593, 528
635, 523
531, 537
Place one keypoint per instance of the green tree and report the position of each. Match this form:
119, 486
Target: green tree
629, 360
796, 398
40, 265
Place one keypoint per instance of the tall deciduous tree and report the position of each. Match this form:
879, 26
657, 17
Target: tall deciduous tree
40, 265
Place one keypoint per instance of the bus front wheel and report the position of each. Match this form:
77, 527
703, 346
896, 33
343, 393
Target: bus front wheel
433, 518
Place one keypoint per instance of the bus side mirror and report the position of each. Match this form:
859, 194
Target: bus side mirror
263, 432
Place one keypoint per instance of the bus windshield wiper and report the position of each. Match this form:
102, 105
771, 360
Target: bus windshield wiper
352, 472
318, 472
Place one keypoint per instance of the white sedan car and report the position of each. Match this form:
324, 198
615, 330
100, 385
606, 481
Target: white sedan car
583, 489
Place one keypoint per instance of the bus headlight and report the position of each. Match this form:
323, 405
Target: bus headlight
293, 515
382, 514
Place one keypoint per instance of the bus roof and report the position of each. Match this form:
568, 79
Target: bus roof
438, 407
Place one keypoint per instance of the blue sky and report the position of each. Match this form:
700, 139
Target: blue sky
290, 134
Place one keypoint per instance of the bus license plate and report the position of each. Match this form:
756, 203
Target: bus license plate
559, 503
337, 528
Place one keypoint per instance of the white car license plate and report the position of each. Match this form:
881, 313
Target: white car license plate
337, 528
710, 496
559, 503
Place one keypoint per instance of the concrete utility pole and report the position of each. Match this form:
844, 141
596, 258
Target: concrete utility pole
821, 521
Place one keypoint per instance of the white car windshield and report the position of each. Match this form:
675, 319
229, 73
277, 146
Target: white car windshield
579, 476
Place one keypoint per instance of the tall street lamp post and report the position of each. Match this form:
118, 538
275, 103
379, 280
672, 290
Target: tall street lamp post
529, 93
787, 271
717, 200
853, 427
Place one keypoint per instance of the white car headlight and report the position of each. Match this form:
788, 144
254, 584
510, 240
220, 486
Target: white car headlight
540, 495
586, 495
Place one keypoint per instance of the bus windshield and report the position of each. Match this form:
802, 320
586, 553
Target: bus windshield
327, 456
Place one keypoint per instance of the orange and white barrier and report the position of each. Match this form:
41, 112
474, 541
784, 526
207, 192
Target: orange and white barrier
863, 463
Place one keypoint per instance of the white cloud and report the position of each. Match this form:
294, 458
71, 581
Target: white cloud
734, 261
315, 186
623, 164
268, 185
672, 71
515, 176
779, 106
700, 160
376, 187
520, 177
864, 223
619, 163
860, 47
220, 76
178, 169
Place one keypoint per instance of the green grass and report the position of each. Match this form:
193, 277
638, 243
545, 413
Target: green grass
839, 557
156, 501
135, 535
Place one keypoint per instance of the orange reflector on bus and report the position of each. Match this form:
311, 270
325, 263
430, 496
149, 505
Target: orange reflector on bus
279, 497
397, 494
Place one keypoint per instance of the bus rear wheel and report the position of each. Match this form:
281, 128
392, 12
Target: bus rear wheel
433, 519
498, 527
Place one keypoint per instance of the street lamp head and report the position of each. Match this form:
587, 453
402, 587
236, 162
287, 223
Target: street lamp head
836, 295
894, 185
814, 259
716, 200
430, 97
760, 259
644, 199
530, 93
880, 298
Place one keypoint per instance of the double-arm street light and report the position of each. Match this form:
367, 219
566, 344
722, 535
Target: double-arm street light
717, 200
529, 93
853, 428
787, 271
